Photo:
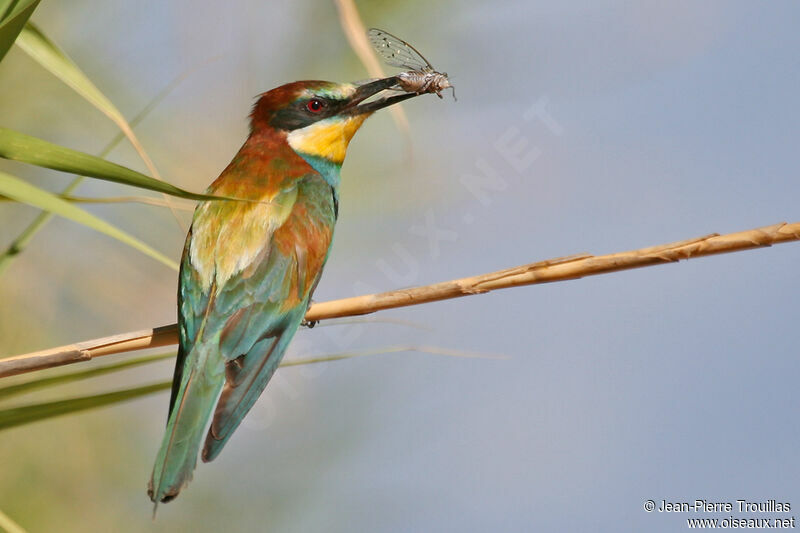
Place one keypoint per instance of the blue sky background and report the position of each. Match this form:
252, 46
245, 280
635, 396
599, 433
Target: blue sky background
666, 121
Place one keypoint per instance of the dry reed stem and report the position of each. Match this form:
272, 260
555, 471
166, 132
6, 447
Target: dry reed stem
147, 200
126, 129
356, 35
560, 269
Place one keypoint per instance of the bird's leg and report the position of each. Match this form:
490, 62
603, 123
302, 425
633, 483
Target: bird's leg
309, 323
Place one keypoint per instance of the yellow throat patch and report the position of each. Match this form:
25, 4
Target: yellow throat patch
327, 138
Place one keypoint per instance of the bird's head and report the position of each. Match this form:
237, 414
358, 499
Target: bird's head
320, 117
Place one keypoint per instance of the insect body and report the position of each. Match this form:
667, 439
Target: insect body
421, 77
421, 82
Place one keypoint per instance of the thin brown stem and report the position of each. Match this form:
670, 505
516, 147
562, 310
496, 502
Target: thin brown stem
560, 269
356, 35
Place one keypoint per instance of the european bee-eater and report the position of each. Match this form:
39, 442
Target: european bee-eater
250, 265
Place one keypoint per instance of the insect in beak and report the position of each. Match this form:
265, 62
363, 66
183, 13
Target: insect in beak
420, 77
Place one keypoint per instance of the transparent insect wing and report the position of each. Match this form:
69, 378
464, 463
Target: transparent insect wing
396, 52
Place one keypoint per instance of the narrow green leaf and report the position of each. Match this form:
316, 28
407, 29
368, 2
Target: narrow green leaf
62, 379
45, 52
23, 191
21, 242
27, 149
17, 416
433, 350
31, 413
8, 525
13, 16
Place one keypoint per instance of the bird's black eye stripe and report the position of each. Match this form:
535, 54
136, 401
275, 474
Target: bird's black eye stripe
306, 111
320, 107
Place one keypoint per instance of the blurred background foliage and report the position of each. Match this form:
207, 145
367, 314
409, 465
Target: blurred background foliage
673, 120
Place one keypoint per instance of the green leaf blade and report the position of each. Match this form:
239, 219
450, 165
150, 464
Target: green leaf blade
44, 51
71, 377
19, 244
13, 16
32, 413
24, 192
28, 149
17, 416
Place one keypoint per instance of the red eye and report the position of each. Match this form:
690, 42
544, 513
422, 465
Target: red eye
314, 105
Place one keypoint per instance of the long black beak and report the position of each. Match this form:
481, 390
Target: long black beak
371, 89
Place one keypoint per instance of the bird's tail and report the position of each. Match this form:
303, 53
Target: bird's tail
194, 404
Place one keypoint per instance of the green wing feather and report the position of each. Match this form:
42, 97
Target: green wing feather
285, 277
232, 337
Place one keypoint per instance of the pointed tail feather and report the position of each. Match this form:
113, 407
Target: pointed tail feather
243, 387
194, 404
